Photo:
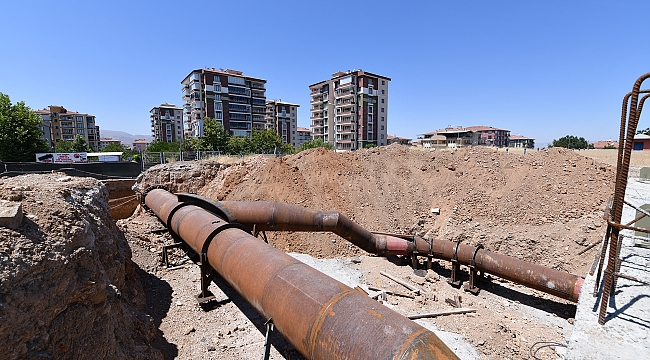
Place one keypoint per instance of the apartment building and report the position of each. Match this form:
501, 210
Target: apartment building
350, 110
282, 117
237, 101
104, 142
304, 135
66, 125
519, 141
451, 137
491, 136
166, 123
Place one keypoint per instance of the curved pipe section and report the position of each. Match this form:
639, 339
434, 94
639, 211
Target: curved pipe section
274, 216
321, 317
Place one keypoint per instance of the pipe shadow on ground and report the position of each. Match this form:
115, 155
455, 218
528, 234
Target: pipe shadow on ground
277, 340
489, 284
158, 294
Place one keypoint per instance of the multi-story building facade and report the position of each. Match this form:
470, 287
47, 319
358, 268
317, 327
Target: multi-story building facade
66, 125
237, 101
166, 123
350, 110
519, 141
491, 136
140, 144
304, 135
104, 142
282, 117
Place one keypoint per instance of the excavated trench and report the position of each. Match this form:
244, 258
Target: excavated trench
542, 208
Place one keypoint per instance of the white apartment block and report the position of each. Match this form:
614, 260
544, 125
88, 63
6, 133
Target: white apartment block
350, 110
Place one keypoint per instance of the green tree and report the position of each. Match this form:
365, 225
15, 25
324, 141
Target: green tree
572, 142
20, 134
63, 147
79, 144
192, 143
369, 145
311, 144
268, 142
644, 132
163, 146
239, 145
113, 148
214, 136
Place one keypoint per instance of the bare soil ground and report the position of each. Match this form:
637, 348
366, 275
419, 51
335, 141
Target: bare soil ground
544, 207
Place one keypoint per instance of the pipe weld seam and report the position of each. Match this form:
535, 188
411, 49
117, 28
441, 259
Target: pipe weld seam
322, 316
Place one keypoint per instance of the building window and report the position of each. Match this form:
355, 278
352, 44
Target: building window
381, 136
382, 127
382, 101
382, 109
383, 92
383, 82
382, 118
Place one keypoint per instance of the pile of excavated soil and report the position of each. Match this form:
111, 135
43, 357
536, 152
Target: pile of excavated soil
543, 207
68, 287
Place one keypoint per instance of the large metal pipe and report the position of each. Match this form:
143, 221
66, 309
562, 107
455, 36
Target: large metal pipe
551, 281
269, 216
276, 216
321, 317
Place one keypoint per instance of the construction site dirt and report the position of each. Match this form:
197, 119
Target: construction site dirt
544, 207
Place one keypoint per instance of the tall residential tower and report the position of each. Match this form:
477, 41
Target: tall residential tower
350, 110
282, 117
233, 99
166, 123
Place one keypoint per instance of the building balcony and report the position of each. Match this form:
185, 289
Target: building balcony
346, 112
369, 92
344, 95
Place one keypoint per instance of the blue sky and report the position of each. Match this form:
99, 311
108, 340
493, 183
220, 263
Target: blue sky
543, 69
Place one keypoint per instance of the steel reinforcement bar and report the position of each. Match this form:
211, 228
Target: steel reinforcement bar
274, 216
321, 317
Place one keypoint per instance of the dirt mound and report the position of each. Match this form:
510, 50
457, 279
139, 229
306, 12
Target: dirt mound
544, 206
68, 287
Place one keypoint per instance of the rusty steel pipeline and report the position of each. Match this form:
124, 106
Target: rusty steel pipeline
321, 317
276, 216
267, 216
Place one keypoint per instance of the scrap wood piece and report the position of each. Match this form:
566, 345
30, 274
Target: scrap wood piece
441, 313
414, 289
455, 302
391, 292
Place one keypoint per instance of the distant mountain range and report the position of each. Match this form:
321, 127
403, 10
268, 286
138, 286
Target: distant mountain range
124, 137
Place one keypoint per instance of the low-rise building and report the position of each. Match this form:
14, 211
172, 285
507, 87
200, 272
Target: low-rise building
518, 141
641, 142
104, 142
602, 144
392, 139
431, 140
140, 144
491, 136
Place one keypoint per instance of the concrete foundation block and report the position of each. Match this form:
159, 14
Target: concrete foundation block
11, 214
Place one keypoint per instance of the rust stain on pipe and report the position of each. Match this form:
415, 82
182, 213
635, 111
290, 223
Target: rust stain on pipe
321, 317
274, 216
